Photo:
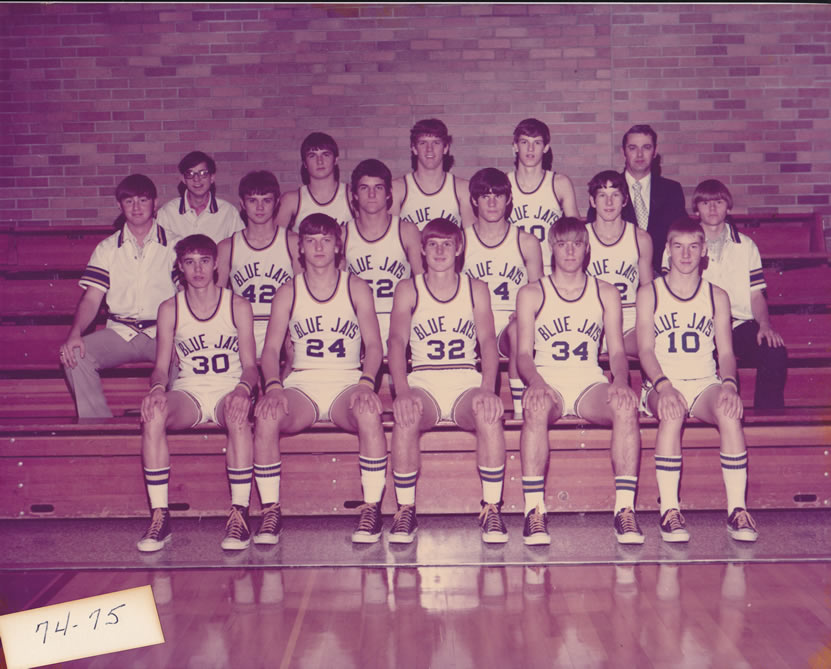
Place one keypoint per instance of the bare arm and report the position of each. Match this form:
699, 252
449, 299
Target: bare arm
729, 397
411, 236
564, 191
613, 332
532, 252
399, 190
238, 401
294, 252
645, 256
85, 313
528, 301
368, 324
465, 207
401, 317
287, 208
273, 399
223, 262
156, 398
485, 333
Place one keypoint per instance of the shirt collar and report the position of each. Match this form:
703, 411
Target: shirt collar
157, 233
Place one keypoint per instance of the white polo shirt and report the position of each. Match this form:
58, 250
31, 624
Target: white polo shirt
219, 220
738, 272
135, 279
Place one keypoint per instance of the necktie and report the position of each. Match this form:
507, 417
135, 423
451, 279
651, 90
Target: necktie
640, 206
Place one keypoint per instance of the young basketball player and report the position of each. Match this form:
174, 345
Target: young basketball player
380, 248
620, 253
540, 195
258, 260
321, 190
560, 320
503, 256
442, 315
682, 319
430, 191
327, 313
211, 332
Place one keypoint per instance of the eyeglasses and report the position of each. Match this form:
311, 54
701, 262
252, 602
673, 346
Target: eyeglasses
190, 175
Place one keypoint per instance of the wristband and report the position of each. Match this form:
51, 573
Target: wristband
245, 385
368, 380
730, 379
156, 385
659, 380
273, 383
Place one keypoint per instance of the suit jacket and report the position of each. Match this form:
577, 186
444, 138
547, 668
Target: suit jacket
666, 205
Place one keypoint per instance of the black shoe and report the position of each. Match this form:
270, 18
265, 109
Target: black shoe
237, 534
674, 527
272, 523
627, 529
741, 526
158, 534
404, 525
535, 531
368, 530
492, 525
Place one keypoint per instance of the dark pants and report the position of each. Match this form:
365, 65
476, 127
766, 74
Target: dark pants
771, 365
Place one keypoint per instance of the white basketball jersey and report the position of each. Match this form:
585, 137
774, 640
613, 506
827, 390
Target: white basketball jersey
382, 263
325, 333
256, 274
684, 331
420, 208
617, 263
567, 332
443, 332
337, 207
208, 349
501, 266
537, 210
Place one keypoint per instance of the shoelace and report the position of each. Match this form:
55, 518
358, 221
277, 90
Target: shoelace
369, 513
536, 522
627, 521
271, 519
156, 524
744, 520
235, 527
675, 520
489, 518
402, 521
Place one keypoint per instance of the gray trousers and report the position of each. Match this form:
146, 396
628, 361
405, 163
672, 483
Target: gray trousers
104, 349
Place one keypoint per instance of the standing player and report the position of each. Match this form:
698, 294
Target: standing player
380, 248
430, 191
210, 330
504, 257
198, 210
133, 269
442, 315
327, 313
540, 195
620, 252
560, 320
261, 258
321, 190
682, 318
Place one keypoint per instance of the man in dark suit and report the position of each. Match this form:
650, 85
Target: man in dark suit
654, 202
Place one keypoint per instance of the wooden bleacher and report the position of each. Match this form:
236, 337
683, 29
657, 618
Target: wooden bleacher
52, 466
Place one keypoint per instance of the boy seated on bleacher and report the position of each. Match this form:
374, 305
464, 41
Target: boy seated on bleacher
734, 264
211, 331
681, 319
132, 268
442, 315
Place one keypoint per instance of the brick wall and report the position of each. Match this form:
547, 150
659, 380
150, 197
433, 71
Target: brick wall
93, 92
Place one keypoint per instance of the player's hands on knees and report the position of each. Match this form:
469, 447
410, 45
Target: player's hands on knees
237, 406
71, 350
730, 402
365, 400
155, 400
621, 396
537, 395
769, 335
671, 403
271, 404
487, 406
407, 408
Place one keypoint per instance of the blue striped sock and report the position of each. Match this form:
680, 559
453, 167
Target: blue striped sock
734, 473
373, 477
668, 473
268, 482
405, 487
533, 487
240, 480
157, 481
625, 488
492, 478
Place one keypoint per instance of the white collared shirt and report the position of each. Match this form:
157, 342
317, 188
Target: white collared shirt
218, 225
135, 279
